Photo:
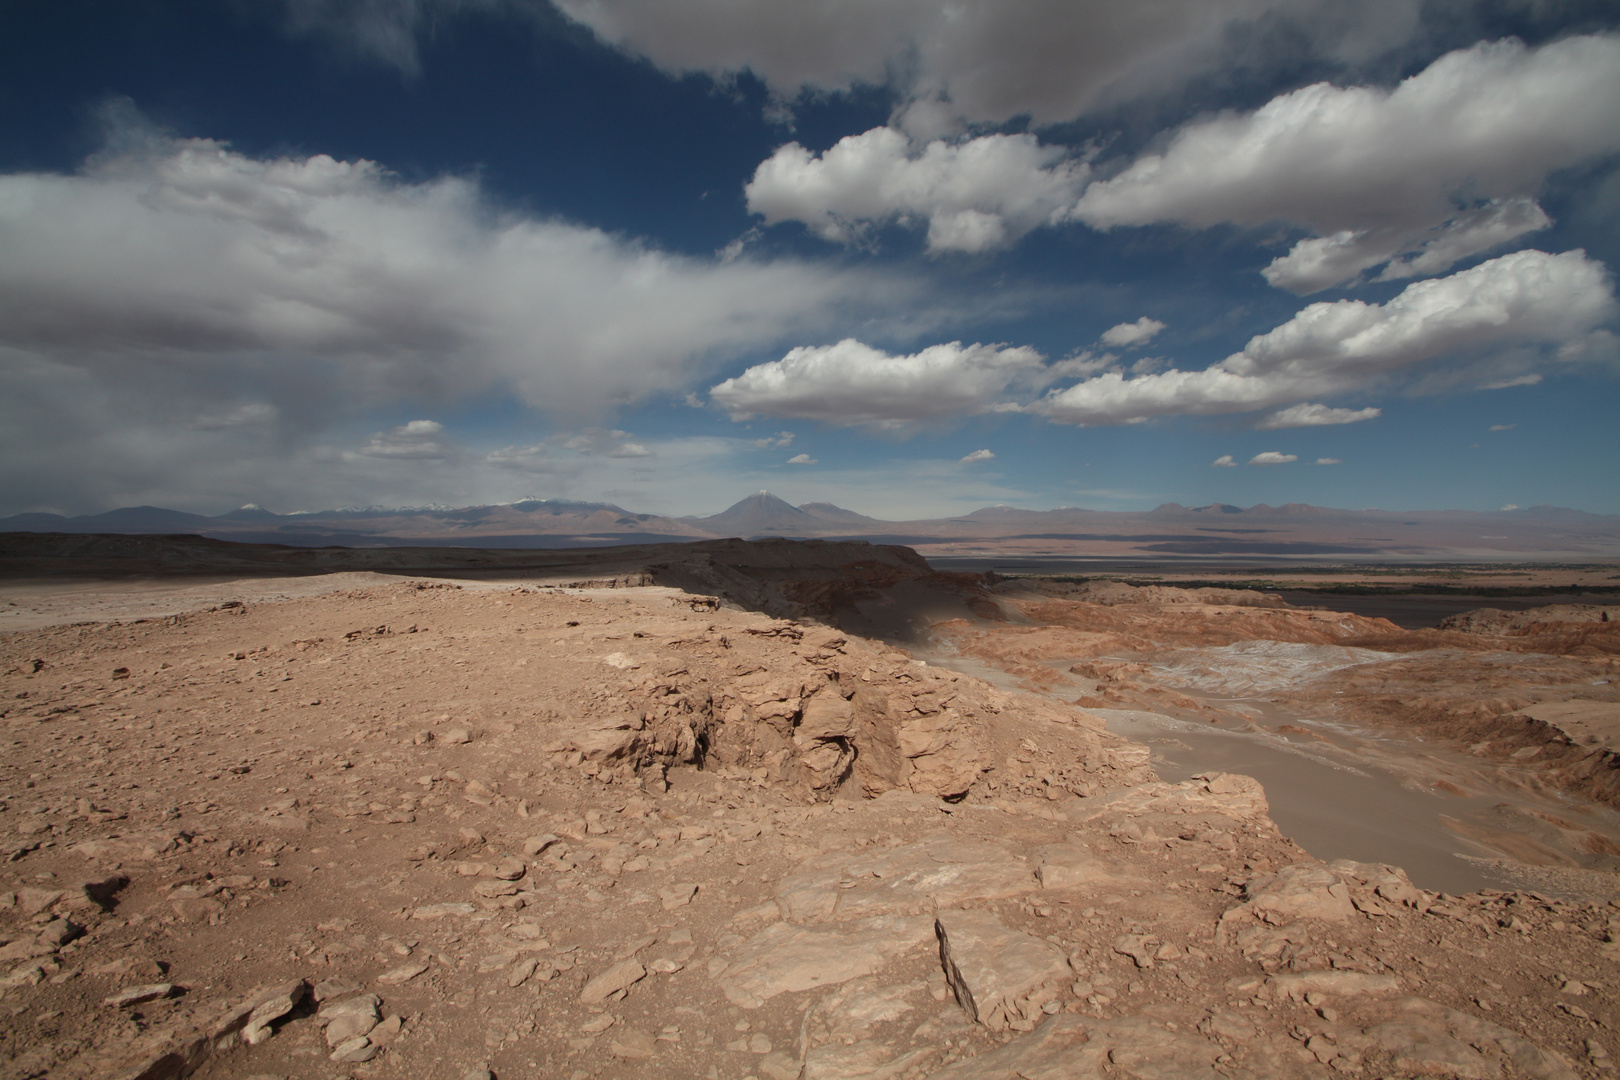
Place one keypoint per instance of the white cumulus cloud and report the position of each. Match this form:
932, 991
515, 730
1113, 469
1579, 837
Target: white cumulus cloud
1225, 461
977, 455
1140, 332
180, 321
974, 195
1273, 457
1308, 415
1329, 461
296, 268
851, 383
1528, 301
1439, 168
802, 459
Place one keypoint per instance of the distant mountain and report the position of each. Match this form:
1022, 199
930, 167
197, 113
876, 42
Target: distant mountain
250, 512
843, 522
1295, 531
35, 523
566, 506
1001, 513
129, 519
761, 514
532, 523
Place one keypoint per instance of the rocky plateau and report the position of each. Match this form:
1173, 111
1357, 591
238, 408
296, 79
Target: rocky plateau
707, 813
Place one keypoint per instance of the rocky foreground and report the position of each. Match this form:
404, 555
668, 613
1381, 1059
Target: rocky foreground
418, 830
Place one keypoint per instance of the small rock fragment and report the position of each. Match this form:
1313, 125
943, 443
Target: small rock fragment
497, 961
137, 995
633, 1045
780, 1066
366, 1004
620, 976
509, 869
402, 974
1139, 947
348, 1026
269, 1007
356, 1049
387, 1031
332, 989
678, 895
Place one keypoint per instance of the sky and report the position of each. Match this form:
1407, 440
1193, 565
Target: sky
912, 257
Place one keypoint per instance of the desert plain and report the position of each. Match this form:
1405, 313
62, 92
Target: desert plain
785, 809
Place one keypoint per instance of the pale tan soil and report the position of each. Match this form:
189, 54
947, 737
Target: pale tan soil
32, 604
252, 795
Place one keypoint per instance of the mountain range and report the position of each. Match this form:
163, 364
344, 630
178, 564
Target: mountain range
1294, 531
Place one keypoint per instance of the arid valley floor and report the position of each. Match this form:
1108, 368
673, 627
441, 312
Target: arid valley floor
792, 810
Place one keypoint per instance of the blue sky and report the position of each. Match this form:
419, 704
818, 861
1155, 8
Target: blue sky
906, 256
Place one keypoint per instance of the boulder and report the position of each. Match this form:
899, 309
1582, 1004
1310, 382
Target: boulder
1301, 891
999, 976
827, 715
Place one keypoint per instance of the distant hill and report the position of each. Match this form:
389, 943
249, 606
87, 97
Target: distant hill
1295, 531
761, 514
